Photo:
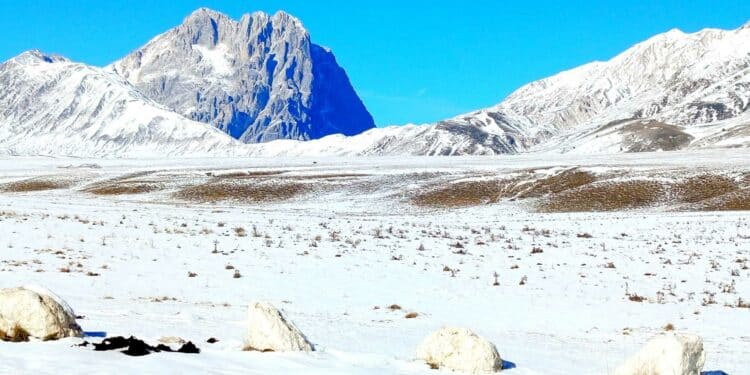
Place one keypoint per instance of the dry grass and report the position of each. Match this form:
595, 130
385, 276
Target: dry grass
35, 184
17, 334
566, 180
606, 196
522, 186
703, 187
464, 194
242, 192
735, 201
123, 188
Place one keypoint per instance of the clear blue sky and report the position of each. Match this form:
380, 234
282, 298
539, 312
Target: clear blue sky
410, 60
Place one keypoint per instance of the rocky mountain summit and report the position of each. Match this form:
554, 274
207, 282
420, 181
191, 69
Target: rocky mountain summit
258, 79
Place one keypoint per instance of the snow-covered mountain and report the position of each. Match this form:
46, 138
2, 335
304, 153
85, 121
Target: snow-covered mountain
258, 79
52, 106
193, 88
688, 82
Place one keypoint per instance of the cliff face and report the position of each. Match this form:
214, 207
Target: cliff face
257, 79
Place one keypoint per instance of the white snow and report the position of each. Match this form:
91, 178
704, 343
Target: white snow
571, 316
217, 58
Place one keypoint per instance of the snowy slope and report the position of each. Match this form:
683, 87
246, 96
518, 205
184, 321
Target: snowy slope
257, 79
329, 258
684, 80
52, 106
430, 140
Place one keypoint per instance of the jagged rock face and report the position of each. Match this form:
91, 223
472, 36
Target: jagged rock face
257, 79
52, 106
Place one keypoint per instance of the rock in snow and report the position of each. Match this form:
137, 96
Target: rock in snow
268, 330
669, 354
459, 349
37, 312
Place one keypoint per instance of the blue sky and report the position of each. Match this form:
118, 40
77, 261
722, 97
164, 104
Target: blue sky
411, 61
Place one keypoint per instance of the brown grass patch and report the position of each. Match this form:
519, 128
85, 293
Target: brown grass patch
703, 187
474, 193
35, 184
464, 194
606, 196
123, 188
735, 201
566, 180
223, 191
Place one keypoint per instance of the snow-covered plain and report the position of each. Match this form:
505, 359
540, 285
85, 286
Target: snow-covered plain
329, 258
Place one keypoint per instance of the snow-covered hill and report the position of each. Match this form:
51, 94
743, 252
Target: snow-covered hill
682, 80
52, 106
257, 79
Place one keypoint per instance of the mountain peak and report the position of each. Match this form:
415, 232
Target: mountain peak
36, 56
205, 13
287, 19
258, 79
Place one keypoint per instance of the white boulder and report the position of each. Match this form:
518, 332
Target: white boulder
459, 349
668, 354
36, 312
268, 330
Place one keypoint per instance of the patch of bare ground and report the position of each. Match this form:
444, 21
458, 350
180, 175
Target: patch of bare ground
606, 196
217, 191
36, 184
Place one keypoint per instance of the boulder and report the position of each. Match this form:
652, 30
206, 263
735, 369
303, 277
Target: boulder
459, 349
667, 354
35, 312
269, 331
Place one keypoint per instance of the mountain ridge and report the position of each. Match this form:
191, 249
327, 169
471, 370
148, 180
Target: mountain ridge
188, 89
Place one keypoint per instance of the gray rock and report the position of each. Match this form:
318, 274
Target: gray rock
258, 79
